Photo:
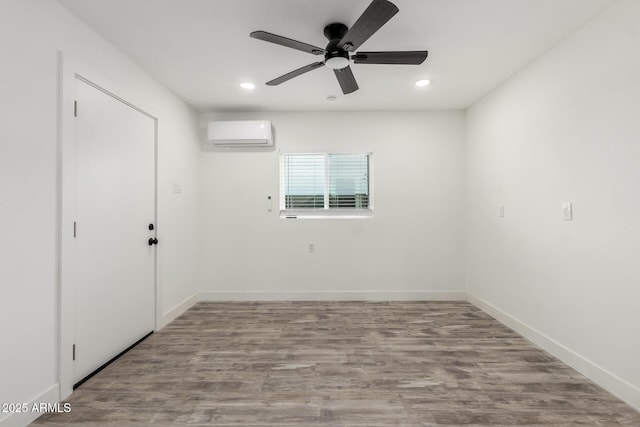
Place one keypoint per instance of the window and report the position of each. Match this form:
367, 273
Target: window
325, 185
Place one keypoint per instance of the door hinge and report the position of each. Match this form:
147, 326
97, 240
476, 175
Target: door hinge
73, 351
75, 108
75, 230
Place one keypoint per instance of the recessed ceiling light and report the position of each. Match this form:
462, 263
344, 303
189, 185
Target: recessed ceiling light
331, 98
422, 83
248, 86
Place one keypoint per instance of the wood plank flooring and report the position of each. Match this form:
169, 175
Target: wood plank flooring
340, 364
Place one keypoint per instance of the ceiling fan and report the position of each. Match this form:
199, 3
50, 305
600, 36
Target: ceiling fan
342, 42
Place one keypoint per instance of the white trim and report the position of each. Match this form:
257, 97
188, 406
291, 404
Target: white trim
20, 419
599, 375
176, 311
59, 216
326, 213
335, 296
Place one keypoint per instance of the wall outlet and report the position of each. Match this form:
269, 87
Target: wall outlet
567, 211
312, 247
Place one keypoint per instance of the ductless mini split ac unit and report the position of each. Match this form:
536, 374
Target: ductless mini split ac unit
245, 133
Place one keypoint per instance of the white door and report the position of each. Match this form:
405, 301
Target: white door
115, 289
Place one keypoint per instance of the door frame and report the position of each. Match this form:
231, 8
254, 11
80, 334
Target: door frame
69, 71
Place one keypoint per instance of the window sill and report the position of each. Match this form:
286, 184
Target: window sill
327, 214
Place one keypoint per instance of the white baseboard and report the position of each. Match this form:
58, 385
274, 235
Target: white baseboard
176, 311
22, 419
601, 376
334, 296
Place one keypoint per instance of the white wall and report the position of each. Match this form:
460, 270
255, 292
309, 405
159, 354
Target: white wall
413, 245
31, 34
565, 129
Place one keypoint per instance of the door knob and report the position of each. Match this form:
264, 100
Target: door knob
153, 241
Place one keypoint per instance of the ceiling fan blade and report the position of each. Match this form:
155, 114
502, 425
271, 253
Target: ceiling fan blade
374, 17
411, 57
295, 73
347, 80
284, 41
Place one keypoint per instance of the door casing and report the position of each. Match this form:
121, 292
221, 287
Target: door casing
69, 69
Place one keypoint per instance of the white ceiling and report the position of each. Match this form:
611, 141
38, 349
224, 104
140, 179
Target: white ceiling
201, 49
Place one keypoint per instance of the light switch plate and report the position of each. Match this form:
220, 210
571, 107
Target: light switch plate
567, 211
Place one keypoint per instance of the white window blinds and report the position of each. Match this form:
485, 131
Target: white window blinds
304, 181
325, 182
348, 180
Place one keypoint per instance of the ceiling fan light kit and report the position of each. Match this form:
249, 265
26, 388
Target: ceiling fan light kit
335, 57
342, 42
337, 62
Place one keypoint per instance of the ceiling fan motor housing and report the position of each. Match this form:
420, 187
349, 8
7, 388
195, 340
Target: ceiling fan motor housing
336, 57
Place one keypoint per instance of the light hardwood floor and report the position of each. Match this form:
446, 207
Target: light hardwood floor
340, 364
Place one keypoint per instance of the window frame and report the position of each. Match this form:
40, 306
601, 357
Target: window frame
326, 212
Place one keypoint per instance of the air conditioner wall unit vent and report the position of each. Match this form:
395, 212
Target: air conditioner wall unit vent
244, 133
